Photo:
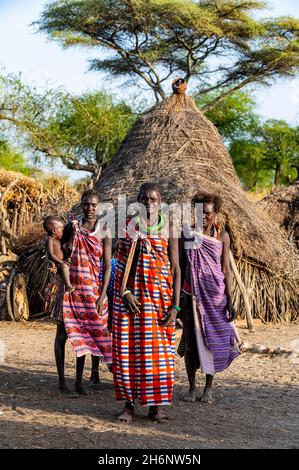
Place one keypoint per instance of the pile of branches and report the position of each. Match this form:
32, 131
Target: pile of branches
24, 202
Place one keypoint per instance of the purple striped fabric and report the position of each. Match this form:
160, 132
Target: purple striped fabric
209, 293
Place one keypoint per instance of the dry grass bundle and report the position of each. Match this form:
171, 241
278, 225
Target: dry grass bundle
276, 209
33, 235
26, 201
283, 207
176, 145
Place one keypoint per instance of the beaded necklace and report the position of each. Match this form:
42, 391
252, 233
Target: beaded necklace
151, 228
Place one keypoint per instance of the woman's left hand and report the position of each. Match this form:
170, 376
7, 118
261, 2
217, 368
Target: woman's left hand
170, 317
99, 304
52, 267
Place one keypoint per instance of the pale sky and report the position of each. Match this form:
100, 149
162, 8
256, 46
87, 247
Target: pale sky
43, 62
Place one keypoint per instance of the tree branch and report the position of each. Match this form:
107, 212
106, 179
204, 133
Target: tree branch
211, 104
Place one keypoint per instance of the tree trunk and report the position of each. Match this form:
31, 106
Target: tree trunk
277, 174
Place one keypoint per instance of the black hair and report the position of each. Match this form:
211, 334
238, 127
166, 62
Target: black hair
208, 198
90, 192
149, 186
48, 223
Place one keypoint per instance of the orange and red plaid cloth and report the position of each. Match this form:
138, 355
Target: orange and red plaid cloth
143, 350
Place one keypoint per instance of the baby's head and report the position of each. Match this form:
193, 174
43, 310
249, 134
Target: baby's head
54, 226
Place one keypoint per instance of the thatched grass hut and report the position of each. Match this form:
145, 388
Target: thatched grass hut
175, 144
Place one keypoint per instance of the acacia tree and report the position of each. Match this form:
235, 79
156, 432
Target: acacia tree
83, 131
220, 44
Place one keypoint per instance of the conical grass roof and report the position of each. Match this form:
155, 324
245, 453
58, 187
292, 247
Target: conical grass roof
175, 144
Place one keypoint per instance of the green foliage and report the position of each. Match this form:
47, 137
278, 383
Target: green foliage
12, 161
83, 131
248, 156
281, 150
268, 155
232, 116
220, 44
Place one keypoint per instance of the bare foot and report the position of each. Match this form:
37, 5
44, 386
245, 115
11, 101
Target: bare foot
95, 384
126, 416
191, 397
207, 396
64, 390
81, 390
158, 416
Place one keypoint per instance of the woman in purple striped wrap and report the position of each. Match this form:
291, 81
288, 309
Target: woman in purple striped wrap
210, 337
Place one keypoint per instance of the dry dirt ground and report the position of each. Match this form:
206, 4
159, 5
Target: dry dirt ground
256, 399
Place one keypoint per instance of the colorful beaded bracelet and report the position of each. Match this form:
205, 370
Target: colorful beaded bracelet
177, 308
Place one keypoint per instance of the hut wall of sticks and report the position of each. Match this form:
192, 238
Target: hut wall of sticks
175, 144
24, 202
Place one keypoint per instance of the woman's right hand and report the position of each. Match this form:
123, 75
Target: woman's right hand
131, 303
232, 313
